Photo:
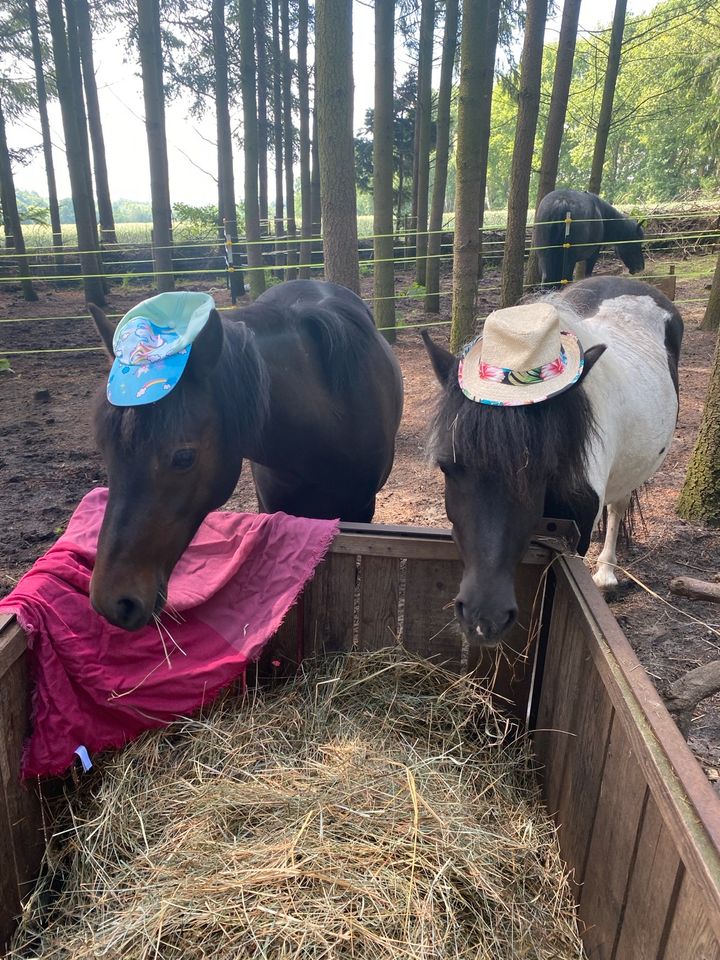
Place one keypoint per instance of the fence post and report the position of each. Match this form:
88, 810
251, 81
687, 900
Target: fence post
566, 245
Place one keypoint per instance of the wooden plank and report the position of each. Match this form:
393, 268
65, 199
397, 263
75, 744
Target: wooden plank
330, 606
586, 749
613, 846
12, 642
687, 803
691, 936
419, 548
429, 622
280, 655
653, 884
559, 690
21, 837
379, 597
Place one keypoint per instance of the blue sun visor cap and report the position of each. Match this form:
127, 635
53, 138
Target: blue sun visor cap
152, 345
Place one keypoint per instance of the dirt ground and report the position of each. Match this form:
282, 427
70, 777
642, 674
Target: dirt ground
48, 462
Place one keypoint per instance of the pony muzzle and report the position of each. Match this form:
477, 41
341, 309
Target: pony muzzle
130, 607
483, 626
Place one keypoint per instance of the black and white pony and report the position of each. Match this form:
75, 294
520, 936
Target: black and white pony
567, 457
593, 223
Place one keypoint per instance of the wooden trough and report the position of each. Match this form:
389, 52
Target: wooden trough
639, 825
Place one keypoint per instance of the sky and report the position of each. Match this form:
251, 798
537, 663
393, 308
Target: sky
191, 142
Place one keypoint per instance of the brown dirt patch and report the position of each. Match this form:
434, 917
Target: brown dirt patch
48, 462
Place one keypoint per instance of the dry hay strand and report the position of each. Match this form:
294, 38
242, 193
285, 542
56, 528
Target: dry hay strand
372, 808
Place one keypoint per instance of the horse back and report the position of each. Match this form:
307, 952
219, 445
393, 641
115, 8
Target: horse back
633, 388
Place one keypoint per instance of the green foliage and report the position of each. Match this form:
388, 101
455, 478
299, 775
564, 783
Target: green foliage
664, 141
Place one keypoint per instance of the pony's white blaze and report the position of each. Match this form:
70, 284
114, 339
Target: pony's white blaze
634, 403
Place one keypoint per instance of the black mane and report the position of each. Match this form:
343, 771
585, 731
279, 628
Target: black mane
238, 386
520, 445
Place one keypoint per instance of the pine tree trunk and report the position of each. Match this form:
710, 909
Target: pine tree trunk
45, 129
384, 302
466, 246
700, 496
151, 63
487, 84
102, 185
10, 211
611, 75
250, 126
73, 43
315, 205
304, 105
427, 27
280, 246
333, 52
90, 262
529, 106
442, 148
262, 94
289, 137
711, 319
226, 176
556, 116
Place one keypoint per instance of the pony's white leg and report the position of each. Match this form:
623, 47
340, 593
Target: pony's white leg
604, 575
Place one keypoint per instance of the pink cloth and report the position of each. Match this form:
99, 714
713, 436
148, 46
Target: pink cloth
98, 686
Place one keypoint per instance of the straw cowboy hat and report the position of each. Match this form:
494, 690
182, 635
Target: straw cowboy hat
521, 357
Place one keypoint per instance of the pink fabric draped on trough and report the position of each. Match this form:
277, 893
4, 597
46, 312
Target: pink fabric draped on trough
98, 686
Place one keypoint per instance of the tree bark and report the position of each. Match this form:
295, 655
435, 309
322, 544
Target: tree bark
695, 589
278, 135
700, 496
690, 690
262, 94
250, 125
466, 246
289, 137
10, 211
315, 205
45, 129
227, 206
151, 63
73, 43
90, 262
333, 52
102, 184
611, 75
424, 119
528, 108
711, 319
442, 149
487, 85
556, 115
304, 104
384, 286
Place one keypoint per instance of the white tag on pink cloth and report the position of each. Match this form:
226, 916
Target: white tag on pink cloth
97, 685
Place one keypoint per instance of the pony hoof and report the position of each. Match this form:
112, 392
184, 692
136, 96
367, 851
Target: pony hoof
605, 580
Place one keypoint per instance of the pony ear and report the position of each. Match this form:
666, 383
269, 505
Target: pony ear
442, 360
206, 348
105, 327
592, 355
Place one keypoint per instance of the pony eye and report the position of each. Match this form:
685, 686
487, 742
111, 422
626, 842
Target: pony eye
183, 459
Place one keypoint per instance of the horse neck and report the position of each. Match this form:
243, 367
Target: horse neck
616, 223
245, 383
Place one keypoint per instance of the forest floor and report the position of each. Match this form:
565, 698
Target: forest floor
48, 461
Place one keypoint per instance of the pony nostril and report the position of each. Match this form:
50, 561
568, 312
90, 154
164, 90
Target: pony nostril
510, 619
129, 610
460, 611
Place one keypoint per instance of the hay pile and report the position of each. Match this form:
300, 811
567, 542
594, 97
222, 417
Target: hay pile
368, 810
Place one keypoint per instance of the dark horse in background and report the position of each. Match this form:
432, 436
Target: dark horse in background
567, 457
594, 223
300, 383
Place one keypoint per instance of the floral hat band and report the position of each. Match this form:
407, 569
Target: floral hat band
519, 378
522, 356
